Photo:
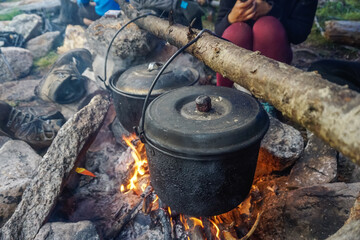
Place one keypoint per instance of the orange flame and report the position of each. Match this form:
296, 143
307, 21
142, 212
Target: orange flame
197, 222
171, 222
217, 229
140, 166
184, 222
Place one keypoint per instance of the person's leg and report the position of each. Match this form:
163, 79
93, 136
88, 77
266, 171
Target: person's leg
240, 34
271, 40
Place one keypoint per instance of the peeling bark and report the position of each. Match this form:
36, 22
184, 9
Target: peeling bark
330, 111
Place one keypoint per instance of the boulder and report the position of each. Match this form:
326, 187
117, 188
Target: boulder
20, 61
18, 162
351, 229
306, 213
18, 90
43, 44
130, 47
28, 25
48, 6
74, 38
317, 165
3, 24
83, 230
281, 146
3, 140
348, 171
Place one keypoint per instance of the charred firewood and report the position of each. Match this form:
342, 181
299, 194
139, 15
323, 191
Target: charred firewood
165, 222
119, 225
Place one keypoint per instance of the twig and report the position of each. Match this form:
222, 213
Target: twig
253, 228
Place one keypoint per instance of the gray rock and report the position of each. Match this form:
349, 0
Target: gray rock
281, 146
319, 211
47, 6
152, 235
18, 90
40, 46
3, 140
348, 171
130, 47
306, 213
83, 230
3, 24
58, 163
28, 25
317, 165
20, 61
18, 162
350, 231
74, 38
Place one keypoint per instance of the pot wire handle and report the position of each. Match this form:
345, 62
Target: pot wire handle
140, 129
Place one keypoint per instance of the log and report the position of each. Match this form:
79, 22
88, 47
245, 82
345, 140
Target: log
330, 111
345, 32
69, 147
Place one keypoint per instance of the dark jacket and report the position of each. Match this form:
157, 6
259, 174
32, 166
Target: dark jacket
297, 17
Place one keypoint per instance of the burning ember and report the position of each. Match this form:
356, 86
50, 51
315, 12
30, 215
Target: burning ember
230, 225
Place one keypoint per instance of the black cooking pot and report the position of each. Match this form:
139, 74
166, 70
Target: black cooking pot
130, 88
202, 156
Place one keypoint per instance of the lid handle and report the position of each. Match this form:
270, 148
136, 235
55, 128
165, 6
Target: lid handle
154, 66
203, 103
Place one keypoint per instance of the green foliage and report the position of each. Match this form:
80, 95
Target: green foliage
9, 16
341, 10
46, 61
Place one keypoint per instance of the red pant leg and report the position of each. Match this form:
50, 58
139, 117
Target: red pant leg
271, 40
240, 34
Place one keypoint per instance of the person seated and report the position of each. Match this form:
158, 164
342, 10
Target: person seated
266, 26
89, 11
185, 12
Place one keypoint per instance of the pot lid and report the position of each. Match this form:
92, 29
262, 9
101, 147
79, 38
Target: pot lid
183, 121
137, 80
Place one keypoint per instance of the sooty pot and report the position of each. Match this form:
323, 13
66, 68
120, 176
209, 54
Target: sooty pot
129, 89
202, 144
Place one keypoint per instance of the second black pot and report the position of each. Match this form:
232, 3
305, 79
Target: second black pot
129, 88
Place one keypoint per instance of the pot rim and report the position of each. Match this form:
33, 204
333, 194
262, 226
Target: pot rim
213, 155
116, 75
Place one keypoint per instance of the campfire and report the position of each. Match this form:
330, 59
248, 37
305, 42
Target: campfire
231, 225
